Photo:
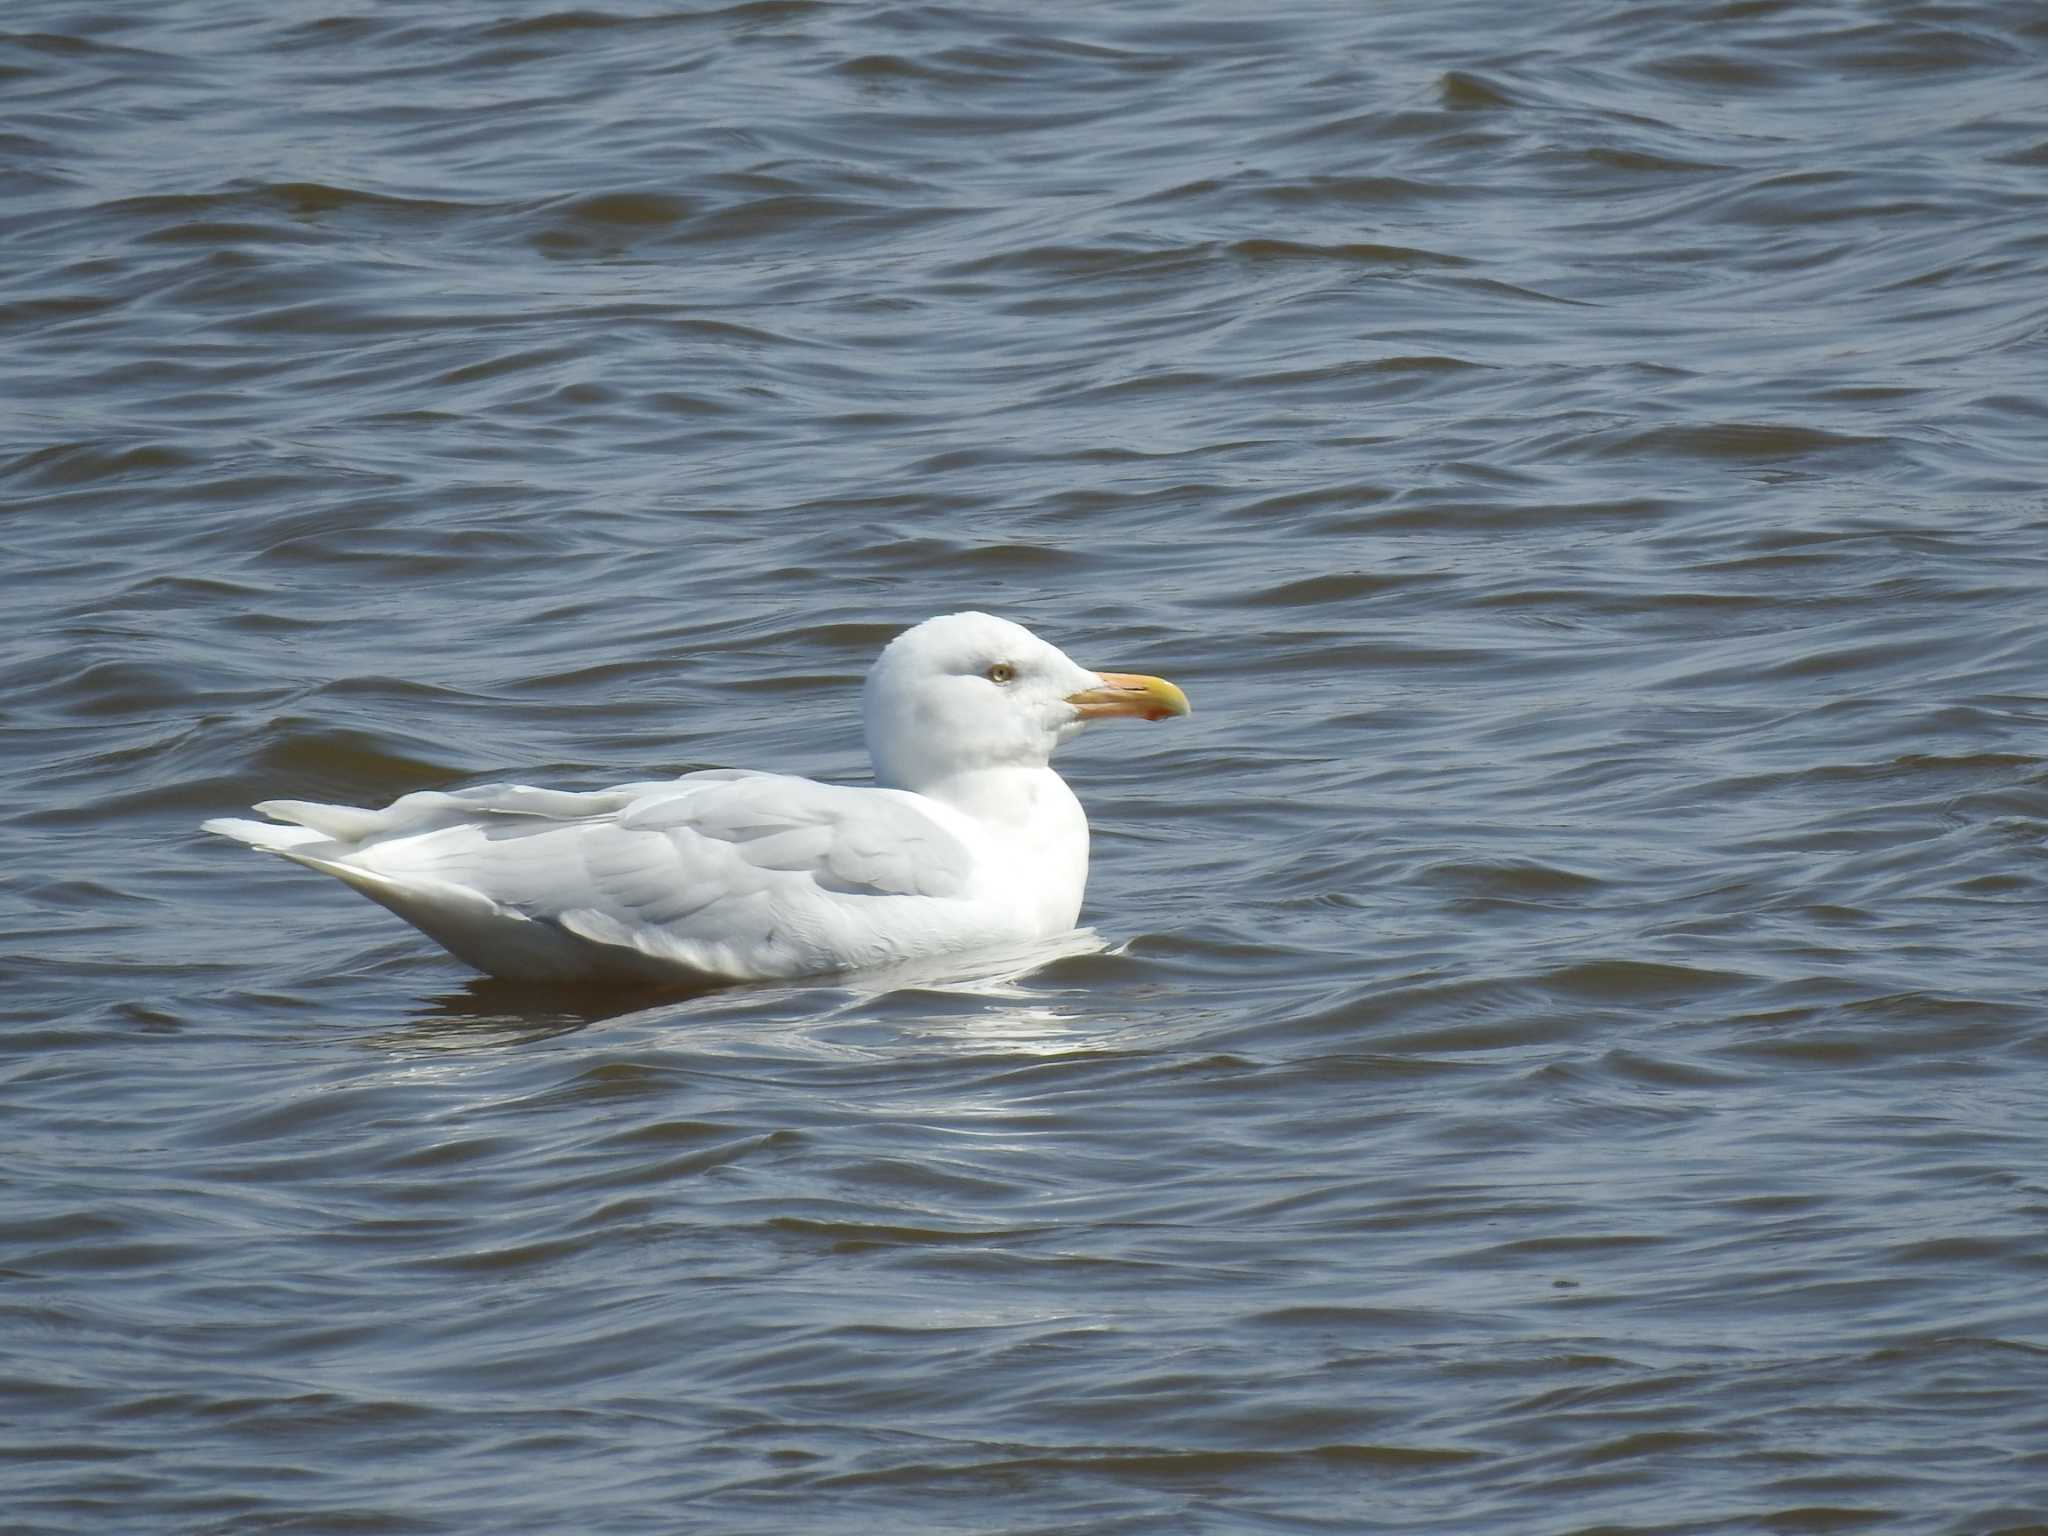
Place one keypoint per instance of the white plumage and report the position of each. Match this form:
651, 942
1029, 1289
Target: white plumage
968, 839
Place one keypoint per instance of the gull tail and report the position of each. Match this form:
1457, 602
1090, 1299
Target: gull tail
267, 835
341, 841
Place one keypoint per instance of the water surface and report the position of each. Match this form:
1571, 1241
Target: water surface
1561, 1046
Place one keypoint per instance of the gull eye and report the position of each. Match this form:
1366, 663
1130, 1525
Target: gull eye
1001, 672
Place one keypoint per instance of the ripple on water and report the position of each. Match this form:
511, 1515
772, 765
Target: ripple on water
1557, 1042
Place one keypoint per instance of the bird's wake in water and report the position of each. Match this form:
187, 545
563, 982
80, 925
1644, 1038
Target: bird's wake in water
1010, 992
968, 839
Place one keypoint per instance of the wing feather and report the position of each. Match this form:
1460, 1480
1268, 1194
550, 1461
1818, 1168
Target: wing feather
847, 840
721, 873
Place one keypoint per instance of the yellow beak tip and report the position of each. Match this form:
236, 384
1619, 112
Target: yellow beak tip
1133, 695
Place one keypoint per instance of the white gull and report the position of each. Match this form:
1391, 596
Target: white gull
967, 839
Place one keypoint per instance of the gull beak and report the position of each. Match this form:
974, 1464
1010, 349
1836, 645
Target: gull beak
1128, 693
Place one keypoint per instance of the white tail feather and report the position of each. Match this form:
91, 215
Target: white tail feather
267, 835
343, 823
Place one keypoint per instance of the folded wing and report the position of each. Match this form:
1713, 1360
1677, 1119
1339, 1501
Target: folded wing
719, 875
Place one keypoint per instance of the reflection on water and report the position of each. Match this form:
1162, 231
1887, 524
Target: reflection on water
993, 982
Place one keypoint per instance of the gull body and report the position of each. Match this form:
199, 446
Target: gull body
967, 838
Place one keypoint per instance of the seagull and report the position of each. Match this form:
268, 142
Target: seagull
966, 839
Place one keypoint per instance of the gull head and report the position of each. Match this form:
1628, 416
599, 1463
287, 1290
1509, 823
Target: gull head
969, 691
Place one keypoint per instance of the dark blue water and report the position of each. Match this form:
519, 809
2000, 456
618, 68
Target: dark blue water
1560, 1046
